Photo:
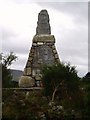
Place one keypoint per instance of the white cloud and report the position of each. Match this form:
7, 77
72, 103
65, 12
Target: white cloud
18, 25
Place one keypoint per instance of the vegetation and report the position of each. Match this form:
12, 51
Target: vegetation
65, 97
85, 85
7, 60
60, 76
62, 85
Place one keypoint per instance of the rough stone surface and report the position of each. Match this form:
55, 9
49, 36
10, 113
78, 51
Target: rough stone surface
26, 81
43, 26
44, 38
43, 50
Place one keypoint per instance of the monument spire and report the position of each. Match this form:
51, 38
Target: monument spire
43, 26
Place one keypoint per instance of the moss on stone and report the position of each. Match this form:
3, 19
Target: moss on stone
44, 38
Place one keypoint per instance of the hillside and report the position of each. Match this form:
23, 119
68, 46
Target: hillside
16, 74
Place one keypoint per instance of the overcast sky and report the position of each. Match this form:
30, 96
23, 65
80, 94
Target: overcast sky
69, 25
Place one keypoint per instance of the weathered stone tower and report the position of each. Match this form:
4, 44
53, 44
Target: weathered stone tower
43, 50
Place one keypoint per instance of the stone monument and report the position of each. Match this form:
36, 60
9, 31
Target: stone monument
43, 50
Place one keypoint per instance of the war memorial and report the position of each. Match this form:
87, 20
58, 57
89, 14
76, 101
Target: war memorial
43, 50
61, 96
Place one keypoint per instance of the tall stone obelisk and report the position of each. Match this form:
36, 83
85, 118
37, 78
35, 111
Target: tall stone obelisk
43, 50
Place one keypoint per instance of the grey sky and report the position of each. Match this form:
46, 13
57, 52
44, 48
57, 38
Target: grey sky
69, 24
